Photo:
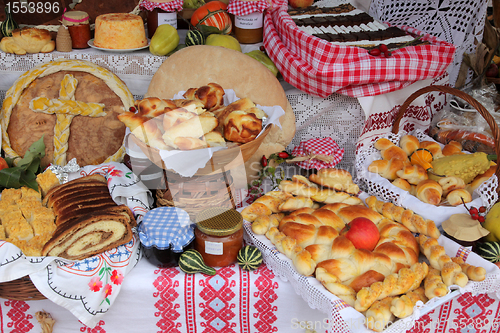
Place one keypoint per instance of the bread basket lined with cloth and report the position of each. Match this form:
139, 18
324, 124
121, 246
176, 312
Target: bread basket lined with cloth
33, 278
200, 65
371, 182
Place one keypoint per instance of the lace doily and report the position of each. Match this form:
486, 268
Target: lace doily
460, 22
373, 184
337, 116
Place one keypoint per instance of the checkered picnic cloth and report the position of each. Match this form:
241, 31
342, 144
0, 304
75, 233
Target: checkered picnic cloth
166, 227
172, 6
242, 8
318, 146
320, 68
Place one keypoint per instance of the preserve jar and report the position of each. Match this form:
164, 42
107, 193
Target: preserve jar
79, 28
157, 17
165, 233
219, 236
248, 29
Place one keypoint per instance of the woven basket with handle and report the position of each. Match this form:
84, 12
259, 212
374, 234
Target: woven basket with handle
458, 93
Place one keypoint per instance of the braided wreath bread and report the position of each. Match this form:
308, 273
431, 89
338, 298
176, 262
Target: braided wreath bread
304, 221
74, 105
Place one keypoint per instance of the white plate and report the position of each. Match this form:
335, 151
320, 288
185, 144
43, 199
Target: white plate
91, 44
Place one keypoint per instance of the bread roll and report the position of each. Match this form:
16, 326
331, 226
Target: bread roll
458, 197
434, 285
28, 40
386, 168
409, 143
452, 148
433, 147
402, 184
211, 95
412, 173
451, 183
429, 191
480, 179
337, 179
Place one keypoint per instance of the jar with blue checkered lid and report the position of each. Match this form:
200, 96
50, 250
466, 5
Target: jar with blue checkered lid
219, 236
165, 233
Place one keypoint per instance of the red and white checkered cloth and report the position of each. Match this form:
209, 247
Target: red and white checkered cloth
318, 146
242, 8
172, 6
320, 68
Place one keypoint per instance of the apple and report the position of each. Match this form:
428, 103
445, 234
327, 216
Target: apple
300, 3
362, 232
492, 70
3, 163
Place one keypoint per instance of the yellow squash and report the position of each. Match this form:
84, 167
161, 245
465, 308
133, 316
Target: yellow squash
465, 166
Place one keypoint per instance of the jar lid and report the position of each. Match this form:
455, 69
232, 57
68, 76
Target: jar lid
464, 228
166, 228
75, 17
219, 221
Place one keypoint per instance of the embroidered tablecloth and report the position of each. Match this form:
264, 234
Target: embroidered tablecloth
233, 301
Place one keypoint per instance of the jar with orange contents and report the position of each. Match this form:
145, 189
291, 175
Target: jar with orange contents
79, 28
219, 236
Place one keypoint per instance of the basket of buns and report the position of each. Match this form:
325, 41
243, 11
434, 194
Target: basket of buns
365, 261
433, 179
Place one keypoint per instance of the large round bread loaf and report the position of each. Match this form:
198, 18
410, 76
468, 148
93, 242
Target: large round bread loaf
199, 65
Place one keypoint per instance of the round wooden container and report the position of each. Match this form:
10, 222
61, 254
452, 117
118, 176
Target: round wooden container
194, 194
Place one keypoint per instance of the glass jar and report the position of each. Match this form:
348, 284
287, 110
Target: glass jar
79, 28
219, 236
248, 29
157, 17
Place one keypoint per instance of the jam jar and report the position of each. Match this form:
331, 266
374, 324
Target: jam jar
157, 17
219, 236
79, 28
165, 233
248, 29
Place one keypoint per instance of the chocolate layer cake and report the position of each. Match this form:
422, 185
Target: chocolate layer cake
345, 25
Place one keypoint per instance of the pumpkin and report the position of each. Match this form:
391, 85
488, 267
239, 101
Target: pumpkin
422, 157
213, 14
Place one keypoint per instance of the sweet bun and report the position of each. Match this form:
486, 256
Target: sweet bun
429, 191
242, 126
152, 107
452, 148
28, 40
455, 197
386, 168
451, 183
383, 143
337, 179
394, 152
211, 95
413, 173
402, 184
409, 143
433, 147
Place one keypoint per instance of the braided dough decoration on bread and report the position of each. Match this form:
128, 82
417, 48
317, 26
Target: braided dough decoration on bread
303, 187
415, 223
407, 279
451, 272
311, 239
434, 285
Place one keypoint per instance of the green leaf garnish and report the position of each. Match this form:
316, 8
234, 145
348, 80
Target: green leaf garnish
24, 173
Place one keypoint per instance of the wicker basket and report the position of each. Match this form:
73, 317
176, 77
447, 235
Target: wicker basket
21, 289
194, 194
221, 159
466, 97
